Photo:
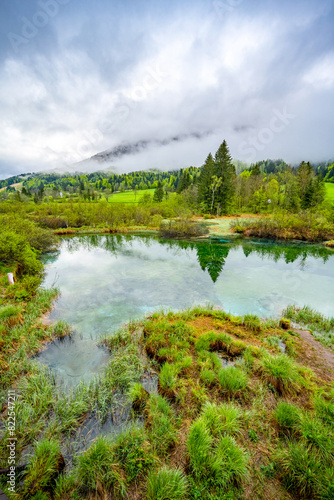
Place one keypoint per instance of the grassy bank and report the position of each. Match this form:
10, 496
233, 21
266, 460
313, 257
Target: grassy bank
232, 416
307, 226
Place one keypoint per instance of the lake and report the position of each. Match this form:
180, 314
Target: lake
105, 281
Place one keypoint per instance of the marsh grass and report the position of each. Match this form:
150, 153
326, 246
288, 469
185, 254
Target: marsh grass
288, 417
43, 469
325, 409
99, 471
225, 419
233, 380
167, 484
161, 424
168, 380
301, 470
216, 424
321, 327
282, 373
215, 457
133, 450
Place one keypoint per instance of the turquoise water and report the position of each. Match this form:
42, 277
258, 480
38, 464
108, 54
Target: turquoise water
105, 281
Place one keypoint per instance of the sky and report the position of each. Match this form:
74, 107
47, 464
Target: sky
78, 77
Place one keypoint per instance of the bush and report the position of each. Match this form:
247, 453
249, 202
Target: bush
306, 225
15, 248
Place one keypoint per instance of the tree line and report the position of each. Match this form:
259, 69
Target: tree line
220, 186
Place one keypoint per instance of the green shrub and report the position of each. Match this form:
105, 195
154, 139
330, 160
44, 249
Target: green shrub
15, 248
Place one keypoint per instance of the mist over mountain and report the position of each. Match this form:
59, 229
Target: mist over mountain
126, 77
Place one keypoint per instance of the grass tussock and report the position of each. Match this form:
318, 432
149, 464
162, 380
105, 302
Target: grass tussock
231, 415
320, 326
167, 484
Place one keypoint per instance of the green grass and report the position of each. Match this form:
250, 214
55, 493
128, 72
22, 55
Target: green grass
232, 379
99, 470
167, 484
129, 196
209, 432
282, 374
330, 190
43, 468
321, 327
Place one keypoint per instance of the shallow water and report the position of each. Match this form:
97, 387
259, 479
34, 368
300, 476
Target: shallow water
108, 280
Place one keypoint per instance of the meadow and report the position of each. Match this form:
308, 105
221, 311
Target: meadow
330, 191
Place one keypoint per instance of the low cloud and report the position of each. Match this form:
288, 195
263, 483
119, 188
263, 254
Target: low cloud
220, 74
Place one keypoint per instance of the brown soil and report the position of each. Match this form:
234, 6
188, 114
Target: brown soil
315, 355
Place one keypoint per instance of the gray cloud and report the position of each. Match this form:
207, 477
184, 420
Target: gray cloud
99, 75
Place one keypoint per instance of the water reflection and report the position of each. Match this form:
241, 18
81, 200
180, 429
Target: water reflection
211, 254
108, 280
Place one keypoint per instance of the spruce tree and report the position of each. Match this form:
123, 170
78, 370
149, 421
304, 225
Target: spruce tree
158, 193
225, 170
205, 182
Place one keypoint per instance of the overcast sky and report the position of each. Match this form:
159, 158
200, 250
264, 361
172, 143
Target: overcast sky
80, 76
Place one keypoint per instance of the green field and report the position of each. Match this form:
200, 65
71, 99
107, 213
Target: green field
129, 196
330, 190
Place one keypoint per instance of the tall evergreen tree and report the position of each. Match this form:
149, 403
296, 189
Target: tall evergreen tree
158, 193
225, 169
204, 183
184, 182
